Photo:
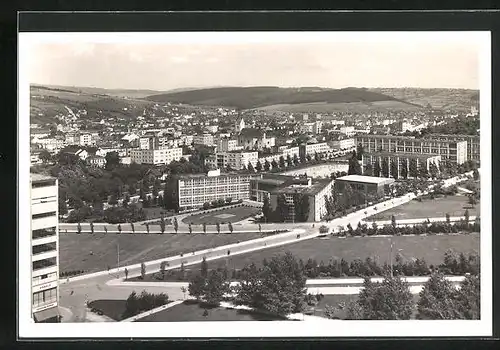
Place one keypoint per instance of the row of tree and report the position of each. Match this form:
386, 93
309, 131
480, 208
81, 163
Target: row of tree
298, 210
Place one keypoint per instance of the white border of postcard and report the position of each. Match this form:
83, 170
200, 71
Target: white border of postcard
285, 329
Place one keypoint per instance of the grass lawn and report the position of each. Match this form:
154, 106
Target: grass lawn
111, 308
192, 311
156, 212
222, 216
453, 205
431, 248
74, 249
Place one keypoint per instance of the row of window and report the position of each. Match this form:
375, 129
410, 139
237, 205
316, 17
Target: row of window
41, 264
43, 248
45, 297
46, 232
44, 183
43, 215
40, 279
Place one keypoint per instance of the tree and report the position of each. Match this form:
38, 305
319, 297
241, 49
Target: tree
112, 200
376, 168
230, 227
204, 268
143, 271
385, 167
467, 302
250, 168
119, 228
466, 217
229, 200
196, 287
475, 174
126, 200
289, 161
162, 224
176, 225
217, 285
302, 158
301, 207
217, 225
282, 162
389, 300
91, 227
472, 200
279, 287
163, 265
295, 159
132, 227
360, 151
190, 228
433, 170
394, 169
404, 169
281, 208
274, 164
206, 206
437, 299
204, 227
126, 274
112, 160
78, 228
266, 209
45, 156
267, 165
354, 166
368, 171
423, 171
258, 166
413, 169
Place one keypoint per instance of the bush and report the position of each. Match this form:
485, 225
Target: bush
144, 302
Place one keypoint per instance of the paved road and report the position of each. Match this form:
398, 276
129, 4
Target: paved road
404, 222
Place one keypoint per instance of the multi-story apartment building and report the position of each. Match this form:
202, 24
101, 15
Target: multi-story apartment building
235, 159
186, 140
347, 130
86, 139
315, 193
205, 139
195, 190
454, 151
227, 145
148, 142
155, 156
51, 144
342, 144
312, 148
473, 143
401, 160
306, 128
45, 250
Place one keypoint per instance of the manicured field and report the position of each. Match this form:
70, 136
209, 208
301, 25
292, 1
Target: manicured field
431, 248
95, 252
191, 311
222, 216
427, 208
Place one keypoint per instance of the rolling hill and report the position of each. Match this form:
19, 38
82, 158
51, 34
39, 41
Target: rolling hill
267, 96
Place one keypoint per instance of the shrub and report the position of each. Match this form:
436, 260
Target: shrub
323, 229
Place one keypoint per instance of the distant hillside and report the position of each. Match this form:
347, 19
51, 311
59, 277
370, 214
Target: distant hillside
457, 99
130, 93
47, 102
263, 96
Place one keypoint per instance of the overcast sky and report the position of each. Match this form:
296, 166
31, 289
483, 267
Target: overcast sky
414, 63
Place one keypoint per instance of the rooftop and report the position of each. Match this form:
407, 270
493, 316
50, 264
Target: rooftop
315, 188
364, 179
402, 154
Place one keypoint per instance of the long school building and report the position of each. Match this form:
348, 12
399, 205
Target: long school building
45, 248
454, 151
195, 190
473, 143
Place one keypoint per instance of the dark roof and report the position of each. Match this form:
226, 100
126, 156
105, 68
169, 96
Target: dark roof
251, 132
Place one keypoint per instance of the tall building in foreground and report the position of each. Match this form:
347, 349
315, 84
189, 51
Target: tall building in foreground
44, 248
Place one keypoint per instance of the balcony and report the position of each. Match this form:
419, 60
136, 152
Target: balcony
43, 192
44, 222
46, 255
44, 206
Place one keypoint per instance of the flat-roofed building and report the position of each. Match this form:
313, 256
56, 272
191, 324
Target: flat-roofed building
473, 143
368, 185
205, 139
155, 156
235, 160
454, 151
44, 248
261, 187
227, 145
196, 189
313, 148
401, 160
315, 192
